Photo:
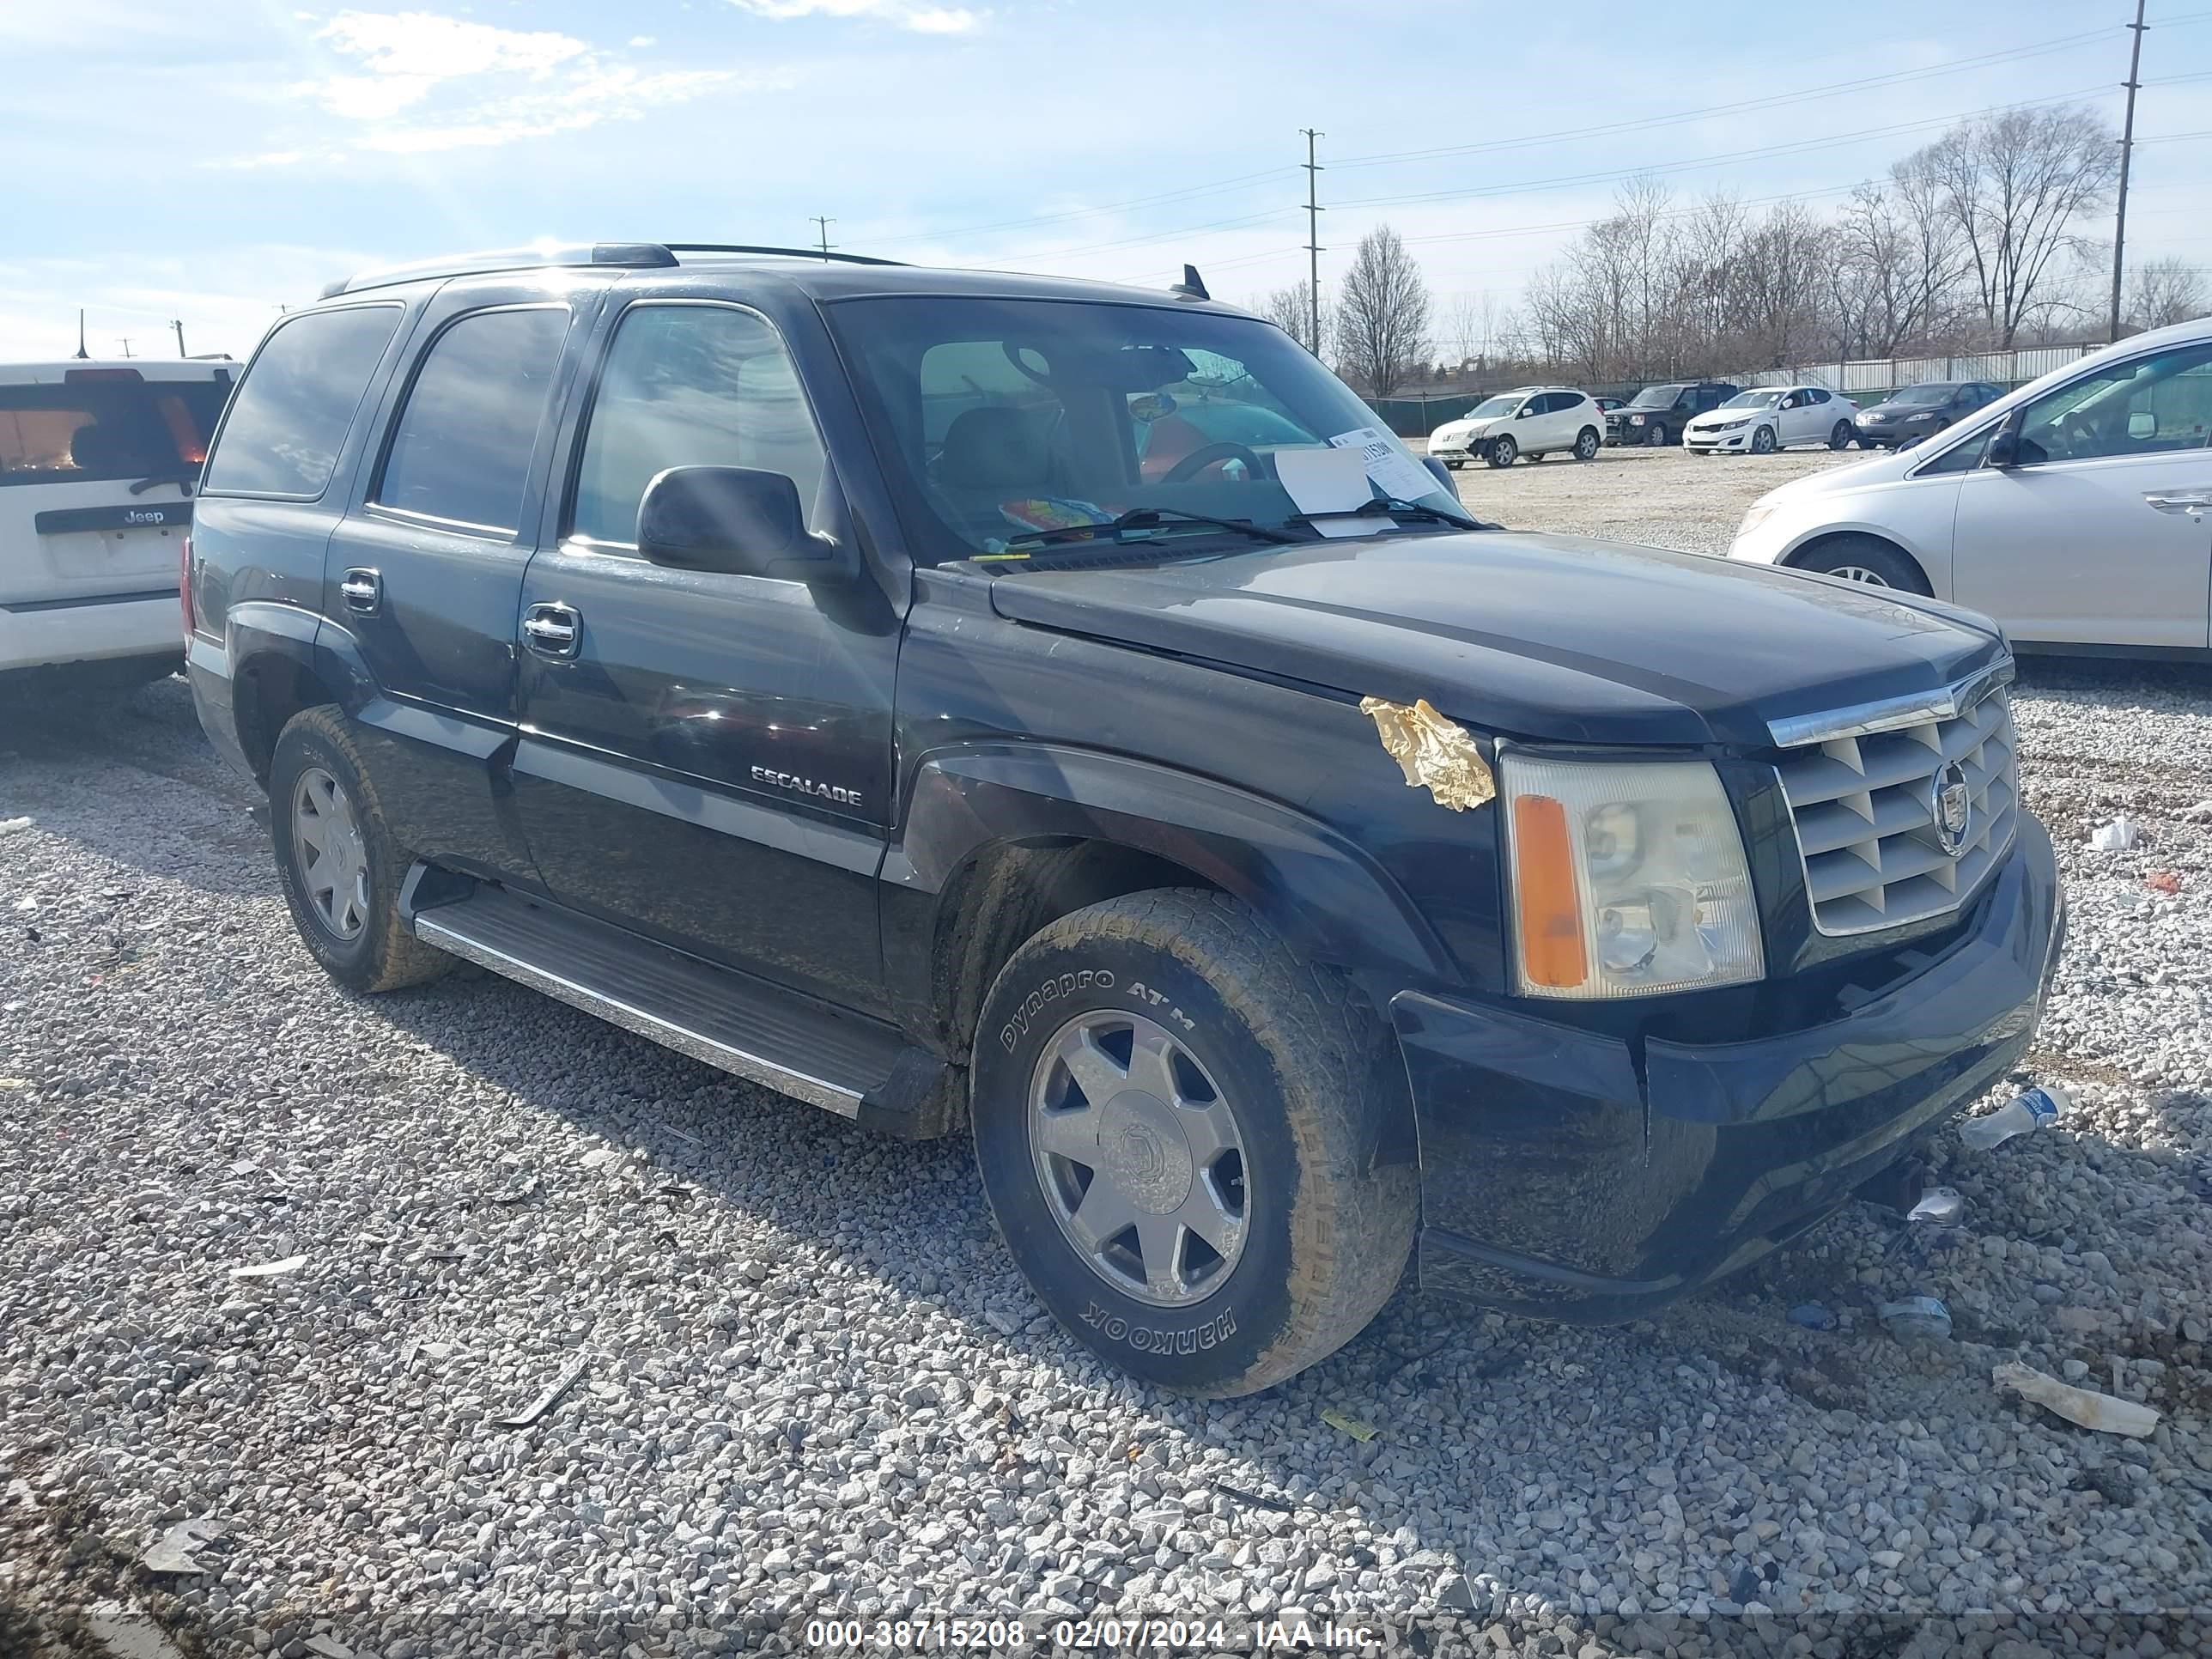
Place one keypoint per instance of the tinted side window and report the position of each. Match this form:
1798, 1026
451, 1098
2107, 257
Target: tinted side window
461, 447
689, 386
1815, 395
290, 416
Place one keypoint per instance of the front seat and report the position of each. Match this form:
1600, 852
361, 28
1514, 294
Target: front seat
993, 452
98, 450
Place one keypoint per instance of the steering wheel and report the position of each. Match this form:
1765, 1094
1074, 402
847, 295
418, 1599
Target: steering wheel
1212, 454
2081, 436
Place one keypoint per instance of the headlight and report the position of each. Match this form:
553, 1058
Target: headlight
1636, 419
1629, 879
1758, 514
1729, 426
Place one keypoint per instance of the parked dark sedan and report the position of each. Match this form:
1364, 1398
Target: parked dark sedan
1921, 411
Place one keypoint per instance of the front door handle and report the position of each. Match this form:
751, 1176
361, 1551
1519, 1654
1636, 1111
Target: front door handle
552, 630
362, 590
2192, 505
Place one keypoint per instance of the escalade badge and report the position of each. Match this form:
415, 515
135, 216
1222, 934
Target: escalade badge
1951, 809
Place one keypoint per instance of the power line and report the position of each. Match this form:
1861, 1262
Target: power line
1838, 88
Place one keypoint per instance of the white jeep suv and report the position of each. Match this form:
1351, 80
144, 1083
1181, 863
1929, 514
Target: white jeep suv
97, 464
1533, 421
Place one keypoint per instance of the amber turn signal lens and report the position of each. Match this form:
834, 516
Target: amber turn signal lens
1552, 951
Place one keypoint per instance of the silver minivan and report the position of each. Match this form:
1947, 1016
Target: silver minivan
2078, 511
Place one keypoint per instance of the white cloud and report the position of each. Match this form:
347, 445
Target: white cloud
407, 55
923, 19
416, 81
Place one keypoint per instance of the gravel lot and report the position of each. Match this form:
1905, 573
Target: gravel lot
808, 1381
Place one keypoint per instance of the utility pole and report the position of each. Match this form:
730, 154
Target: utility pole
2127, 146
1313, 235
80, 351
177, 324
823, 225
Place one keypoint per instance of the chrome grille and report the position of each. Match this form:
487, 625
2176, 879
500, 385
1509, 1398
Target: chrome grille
1865, 803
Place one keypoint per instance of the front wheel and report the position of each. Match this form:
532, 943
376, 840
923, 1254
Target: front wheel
1866, 559
1762, 441
1655, 436
1839, 435
1170, 1113
1504, 452
1586, 444
340, 868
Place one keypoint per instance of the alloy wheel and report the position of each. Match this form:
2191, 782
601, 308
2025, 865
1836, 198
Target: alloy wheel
1858, 573
1139, 1156
330, 853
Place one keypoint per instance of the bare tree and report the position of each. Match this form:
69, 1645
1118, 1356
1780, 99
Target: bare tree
1290, 309
2166, 291
1894, 266
1382, 315
2017, 184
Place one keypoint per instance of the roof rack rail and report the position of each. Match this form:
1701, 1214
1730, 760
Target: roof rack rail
832, 256
636, 255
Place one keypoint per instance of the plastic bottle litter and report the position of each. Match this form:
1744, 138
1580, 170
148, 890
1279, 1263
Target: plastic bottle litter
2039, 1109
1941, 1205
2116, 836
1915, 1319
1813, 1316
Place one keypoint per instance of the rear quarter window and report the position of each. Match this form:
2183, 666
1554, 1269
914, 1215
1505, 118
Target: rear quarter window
290, 417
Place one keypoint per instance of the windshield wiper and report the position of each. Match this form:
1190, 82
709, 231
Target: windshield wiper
1146, 518
186, 479
1398, 509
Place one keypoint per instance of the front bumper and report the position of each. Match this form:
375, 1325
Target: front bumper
1709, 442
1560, 1177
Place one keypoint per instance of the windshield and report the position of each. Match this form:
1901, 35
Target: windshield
1656, 397
999, 417
1753, 399
1491, 407
1924, 394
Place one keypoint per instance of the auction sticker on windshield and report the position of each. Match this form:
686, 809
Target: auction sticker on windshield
1398, 474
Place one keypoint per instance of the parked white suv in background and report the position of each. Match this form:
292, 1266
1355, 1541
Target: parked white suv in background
1770, 418
1533, 421
97, 465
2078, 511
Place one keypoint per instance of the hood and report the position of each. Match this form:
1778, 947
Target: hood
1536, 637
1467, 429
1904, 411
1723, 416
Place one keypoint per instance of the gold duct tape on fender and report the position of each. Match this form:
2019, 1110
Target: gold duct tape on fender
1434, 753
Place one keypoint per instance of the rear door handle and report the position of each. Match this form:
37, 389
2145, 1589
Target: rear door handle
362, 590
2192, 505
552, 630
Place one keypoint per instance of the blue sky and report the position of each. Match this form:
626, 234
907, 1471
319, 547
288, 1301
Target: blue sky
211, 162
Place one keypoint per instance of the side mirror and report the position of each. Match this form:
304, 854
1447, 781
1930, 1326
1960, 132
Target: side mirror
2143, 423
2004, 448
736, 519
1445, 481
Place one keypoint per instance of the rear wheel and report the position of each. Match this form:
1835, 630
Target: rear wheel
340, 868
1171, 1111
1586, 444
1504, 452
1866, 559
1839, 435
1655, 436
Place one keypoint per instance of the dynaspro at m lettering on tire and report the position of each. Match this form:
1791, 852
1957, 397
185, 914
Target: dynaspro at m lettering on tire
1171, 1114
